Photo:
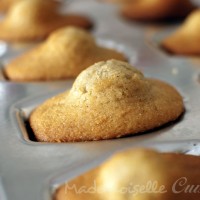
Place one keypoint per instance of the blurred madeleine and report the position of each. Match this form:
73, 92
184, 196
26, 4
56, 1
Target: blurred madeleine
186, 39
65, 53
137, 174
152, 10
30, 20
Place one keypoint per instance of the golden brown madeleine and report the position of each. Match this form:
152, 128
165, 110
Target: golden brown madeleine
30, 20
66, 53
108, 100
138, 174
146, 10
186, 39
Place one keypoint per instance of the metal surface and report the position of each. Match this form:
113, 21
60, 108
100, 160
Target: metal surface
29, 170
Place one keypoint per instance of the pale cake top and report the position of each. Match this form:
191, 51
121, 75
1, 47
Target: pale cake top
114, 80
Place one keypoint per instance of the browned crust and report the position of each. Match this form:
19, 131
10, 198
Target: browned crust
181, 44
60, 122
160, 10
185, 40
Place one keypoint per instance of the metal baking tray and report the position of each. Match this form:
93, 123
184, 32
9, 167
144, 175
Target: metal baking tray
32, 170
